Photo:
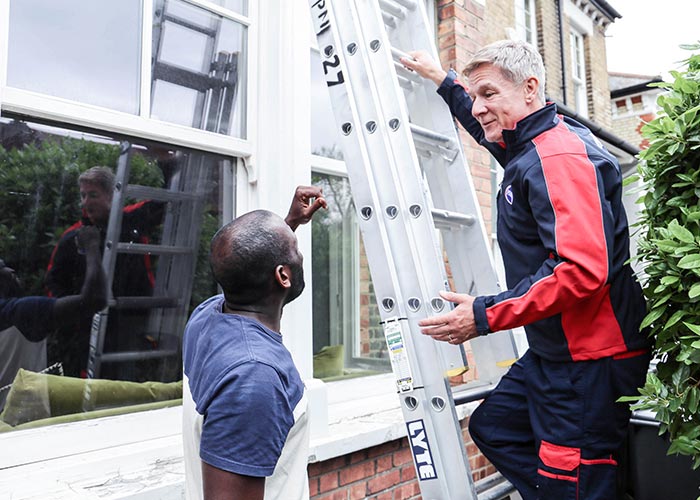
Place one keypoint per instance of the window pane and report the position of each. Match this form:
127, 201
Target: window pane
324, 131
348, 339
204, 55
170, 210
84, 51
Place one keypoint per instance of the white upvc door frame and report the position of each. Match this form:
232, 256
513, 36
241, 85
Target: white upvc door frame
4, 42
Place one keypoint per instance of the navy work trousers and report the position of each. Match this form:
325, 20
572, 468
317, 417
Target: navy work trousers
553, 428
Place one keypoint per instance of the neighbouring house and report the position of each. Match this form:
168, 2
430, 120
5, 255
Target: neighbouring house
633, 104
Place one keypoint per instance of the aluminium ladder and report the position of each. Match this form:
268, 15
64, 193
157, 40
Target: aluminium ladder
166, 309
409, 179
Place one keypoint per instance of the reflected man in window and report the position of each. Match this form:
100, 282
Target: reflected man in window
133, 275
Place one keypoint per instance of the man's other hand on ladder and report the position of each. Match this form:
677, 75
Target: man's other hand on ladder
456, 326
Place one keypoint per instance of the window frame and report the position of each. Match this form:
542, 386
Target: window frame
59, 455
43, 106
526, 21
577, 42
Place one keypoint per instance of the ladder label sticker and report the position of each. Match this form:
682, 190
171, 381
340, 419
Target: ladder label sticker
398, 356
319, 14
333, 77
420, 447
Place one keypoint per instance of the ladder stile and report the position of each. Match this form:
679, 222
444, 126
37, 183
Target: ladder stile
402, 163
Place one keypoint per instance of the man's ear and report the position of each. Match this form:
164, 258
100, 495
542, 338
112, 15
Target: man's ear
532, 84
283, 276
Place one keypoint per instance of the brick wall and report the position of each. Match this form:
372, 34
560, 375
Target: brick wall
463, 27
384, 472
597, 74
549, 47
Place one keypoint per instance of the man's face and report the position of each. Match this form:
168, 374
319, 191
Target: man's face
296, 266
95, 202
498, 103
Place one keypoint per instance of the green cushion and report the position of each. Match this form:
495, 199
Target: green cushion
77, 417
35, 396
329, 361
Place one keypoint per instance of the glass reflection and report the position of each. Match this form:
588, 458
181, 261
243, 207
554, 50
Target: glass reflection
200, 58
157, 230
84, 51
348, 340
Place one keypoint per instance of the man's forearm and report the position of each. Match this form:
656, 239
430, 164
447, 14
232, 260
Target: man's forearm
94, 290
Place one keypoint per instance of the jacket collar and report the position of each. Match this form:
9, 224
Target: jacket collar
530, 127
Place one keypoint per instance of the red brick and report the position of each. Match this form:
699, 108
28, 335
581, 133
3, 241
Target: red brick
358, 491
336, 495
384, 449
447, 12
356, 473
313, 486
328, 482
384, 481
320, 468
388, 495
408, 473
384, 463
407, 490
358, 456
402, 456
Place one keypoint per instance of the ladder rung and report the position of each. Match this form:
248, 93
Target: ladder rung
118, 357
142, 248
409, 4
389, 20
489, 482
398, 54
450, 219
405, 83
403, 72
143, 302
392, 8
493, 487
500, 491
158, 194
428, 135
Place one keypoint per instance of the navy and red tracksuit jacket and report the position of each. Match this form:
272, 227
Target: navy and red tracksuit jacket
563, 233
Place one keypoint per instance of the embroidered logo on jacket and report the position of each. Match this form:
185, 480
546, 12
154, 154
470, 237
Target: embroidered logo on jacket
509, 194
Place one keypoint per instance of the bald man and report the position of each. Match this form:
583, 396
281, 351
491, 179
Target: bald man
245, 428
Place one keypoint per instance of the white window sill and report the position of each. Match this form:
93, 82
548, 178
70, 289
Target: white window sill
139, 456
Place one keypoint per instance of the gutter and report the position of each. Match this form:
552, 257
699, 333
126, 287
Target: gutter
606, 9
560, 11
635, 89
597, 130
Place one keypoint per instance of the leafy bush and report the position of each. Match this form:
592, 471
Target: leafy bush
669, 248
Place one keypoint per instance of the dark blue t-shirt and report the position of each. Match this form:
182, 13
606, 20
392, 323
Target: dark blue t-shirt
33, 316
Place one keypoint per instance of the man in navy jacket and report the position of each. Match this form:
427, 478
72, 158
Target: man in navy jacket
552, 426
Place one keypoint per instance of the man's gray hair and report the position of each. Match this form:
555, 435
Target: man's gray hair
102, 176
516, 59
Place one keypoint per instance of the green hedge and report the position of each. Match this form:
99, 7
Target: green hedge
669, 249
